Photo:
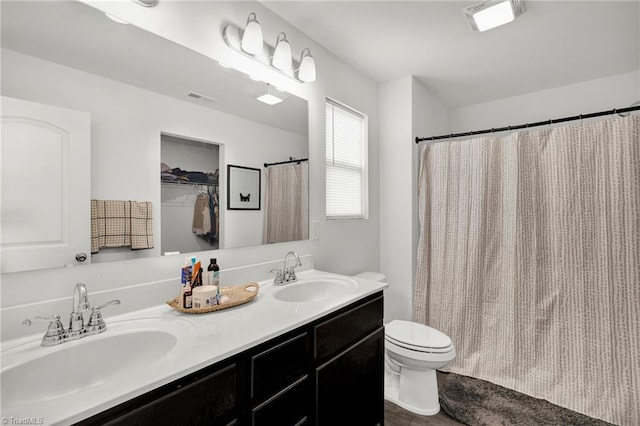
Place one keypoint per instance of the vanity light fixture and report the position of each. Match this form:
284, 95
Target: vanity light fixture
252, 41
272, 96
307, 70
282, 55
489, 14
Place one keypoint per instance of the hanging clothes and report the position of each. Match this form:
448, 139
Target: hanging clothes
201, 215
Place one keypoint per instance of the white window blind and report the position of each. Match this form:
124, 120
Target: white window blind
346, 167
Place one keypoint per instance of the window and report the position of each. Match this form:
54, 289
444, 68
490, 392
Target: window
346, 165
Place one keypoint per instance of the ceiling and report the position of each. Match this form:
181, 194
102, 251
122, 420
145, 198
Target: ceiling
554, 43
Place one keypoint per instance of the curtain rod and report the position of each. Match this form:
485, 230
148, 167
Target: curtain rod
526, 126
286, 162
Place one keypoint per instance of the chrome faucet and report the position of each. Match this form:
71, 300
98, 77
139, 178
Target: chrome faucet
287, 274
80, 306
56, 333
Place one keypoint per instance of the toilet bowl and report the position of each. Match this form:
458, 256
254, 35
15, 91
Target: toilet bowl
413, 353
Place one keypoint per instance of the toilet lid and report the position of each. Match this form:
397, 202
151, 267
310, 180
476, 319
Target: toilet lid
416, 335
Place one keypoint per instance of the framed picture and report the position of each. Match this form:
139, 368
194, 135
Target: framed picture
243, 188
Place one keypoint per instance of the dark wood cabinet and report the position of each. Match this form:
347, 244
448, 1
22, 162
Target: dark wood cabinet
208, 397
350, 388
329, 372
279, 366
288, 408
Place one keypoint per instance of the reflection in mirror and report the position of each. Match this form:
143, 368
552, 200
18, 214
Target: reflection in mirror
189, 176
136, 87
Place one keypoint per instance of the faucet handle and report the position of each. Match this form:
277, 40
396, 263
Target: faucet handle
279, 278
55, 325
96, 323
55, 331
110, 302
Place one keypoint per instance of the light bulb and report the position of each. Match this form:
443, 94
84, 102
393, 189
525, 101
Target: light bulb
307, 71
252, 41
282, 55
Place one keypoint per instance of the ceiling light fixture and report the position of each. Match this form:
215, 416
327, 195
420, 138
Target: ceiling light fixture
252, 41
279, 59
489, 14
282, 55
272, 96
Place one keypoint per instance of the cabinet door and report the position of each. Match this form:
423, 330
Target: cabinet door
350, 387
45, 155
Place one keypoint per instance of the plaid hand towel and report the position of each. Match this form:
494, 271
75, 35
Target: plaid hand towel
121, 224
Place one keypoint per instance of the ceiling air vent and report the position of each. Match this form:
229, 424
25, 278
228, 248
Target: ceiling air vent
201, 97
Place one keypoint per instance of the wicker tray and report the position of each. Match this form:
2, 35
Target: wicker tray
237, 295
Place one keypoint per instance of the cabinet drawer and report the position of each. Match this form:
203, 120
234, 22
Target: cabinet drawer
291, 407
278, 367
342, 330
210, 400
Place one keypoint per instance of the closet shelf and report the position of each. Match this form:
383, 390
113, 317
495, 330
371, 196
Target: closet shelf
189, 184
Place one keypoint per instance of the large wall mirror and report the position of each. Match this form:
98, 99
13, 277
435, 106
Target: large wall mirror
158, 109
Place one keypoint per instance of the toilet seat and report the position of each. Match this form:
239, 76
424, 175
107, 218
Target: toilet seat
417, 337
425, 349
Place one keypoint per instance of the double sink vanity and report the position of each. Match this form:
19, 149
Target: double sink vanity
308, 352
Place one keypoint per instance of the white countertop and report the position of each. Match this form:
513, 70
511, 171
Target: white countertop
212, 337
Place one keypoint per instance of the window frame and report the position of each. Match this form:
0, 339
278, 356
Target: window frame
364, 188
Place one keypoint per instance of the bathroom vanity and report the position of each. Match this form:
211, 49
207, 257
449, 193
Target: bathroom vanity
279, 360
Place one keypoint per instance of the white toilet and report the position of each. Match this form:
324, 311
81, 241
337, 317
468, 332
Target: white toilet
413, 352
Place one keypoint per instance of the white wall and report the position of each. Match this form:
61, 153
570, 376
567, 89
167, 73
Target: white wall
407, 109
589, 96
343, 246
396, 199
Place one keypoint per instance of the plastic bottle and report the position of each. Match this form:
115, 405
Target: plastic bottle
187, 297
214, 270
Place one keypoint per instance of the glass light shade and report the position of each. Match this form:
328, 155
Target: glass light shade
282, 55
307, 71
269, 99
494, 16
252, 41
489, 14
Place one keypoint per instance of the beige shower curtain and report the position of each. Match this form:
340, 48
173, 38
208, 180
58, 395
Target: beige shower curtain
286, 210
529, 259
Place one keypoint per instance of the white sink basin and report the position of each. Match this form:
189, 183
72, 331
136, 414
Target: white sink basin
315, 289
38, 374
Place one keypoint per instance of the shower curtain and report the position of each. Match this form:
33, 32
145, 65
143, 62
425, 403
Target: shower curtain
529, 259
286, 211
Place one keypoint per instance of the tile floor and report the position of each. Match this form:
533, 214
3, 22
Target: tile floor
396, 416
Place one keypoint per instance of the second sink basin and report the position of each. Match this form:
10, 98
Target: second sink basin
54, 372
315, 289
